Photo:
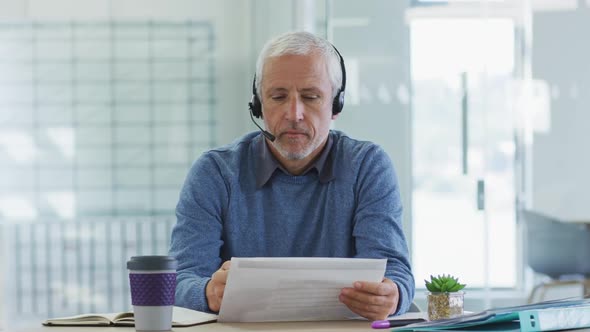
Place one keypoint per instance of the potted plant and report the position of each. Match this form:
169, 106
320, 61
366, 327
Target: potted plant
445, 298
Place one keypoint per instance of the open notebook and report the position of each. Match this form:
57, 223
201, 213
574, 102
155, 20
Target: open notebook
180, 317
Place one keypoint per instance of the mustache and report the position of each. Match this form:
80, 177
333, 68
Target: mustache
294, 127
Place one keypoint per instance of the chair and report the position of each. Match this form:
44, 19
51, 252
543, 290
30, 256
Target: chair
557, 249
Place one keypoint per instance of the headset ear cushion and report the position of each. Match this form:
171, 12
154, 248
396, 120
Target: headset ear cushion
255, 106
338, 103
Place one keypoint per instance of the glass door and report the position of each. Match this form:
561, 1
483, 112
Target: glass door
463, 201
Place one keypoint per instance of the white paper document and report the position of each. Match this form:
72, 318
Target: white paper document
264, 289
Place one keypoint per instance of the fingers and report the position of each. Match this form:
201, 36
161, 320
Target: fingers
360, 306
226, 265
216, 286
366, 298
369, 311
377, 288
371, 300
220, 276
213, 300
219, 290
374, 307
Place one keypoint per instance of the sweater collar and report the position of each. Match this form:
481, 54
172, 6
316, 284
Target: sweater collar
268, 164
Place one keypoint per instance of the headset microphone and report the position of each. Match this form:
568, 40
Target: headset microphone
266, 134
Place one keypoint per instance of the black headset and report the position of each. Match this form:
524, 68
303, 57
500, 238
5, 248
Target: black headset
337, 104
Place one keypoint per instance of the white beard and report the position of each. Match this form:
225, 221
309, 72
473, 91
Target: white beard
296, 155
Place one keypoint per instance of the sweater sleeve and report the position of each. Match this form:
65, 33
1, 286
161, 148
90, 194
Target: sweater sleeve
377, 228
197, 235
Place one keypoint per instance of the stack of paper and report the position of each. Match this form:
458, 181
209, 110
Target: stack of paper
293, 288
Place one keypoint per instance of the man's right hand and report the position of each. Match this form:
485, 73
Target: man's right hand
216, 287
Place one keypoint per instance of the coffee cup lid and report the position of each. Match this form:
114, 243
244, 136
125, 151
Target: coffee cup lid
152, 263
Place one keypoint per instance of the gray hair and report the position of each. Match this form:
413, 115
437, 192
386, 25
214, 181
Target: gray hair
300, 43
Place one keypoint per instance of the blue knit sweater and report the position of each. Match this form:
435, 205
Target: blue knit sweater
221, 213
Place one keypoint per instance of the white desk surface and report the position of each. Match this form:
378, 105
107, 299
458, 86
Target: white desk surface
333, 326
339, 326
325, 326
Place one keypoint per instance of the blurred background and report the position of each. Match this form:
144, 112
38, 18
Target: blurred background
104, 105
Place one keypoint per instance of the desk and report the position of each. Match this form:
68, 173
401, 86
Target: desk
357, 326
332, 326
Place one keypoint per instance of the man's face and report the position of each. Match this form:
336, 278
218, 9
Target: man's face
297, 104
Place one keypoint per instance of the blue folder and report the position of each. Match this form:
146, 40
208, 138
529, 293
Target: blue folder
527, 318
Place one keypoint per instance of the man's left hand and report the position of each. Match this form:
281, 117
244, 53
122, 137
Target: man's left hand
372, 300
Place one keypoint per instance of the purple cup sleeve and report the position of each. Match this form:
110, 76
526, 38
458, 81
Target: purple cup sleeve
152, 289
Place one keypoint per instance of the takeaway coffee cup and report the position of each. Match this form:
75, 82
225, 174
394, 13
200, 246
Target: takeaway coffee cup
152, 280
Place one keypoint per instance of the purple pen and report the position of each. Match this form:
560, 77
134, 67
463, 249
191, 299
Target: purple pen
380, 324
385, 324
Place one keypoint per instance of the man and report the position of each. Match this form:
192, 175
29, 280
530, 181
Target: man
297, 189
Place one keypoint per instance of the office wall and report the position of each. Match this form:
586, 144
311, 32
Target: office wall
374, 39
561, 158
231, 26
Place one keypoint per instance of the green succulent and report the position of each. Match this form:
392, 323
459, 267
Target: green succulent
444, 283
